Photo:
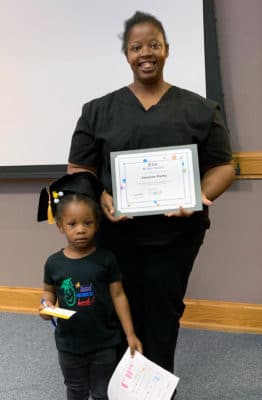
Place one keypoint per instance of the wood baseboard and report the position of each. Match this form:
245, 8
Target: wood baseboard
223, 316
19, 299
199, 314
248, 164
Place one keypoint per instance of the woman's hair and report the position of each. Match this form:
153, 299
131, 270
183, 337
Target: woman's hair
70, 197
139, 18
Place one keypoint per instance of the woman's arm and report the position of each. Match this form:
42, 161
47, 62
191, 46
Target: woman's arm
123, 312
72, 168
217, 179
214, 182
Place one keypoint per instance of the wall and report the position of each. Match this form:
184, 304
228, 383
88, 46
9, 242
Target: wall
229, 264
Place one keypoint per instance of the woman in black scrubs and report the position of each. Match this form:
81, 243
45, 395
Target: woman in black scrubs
156, 253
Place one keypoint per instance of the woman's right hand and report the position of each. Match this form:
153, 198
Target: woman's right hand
107, 205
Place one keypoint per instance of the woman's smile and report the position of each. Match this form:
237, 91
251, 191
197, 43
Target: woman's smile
147, 65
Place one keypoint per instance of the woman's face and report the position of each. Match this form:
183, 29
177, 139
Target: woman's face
146, 52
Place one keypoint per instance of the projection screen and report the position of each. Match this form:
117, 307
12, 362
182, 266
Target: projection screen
57, 55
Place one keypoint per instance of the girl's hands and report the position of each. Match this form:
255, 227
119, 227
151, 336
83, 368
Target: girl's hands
134, 344
44, 305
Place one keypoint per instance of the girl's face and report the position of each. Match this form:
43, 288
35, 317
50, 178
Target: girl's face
78, 223
146, 52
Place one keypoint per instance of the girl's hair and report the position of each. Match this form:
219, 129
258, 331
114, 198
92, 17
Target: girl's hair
139, 18
68, 198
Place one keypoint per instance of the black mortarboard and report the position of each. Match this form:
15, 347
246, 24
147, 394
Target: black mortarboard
81, 182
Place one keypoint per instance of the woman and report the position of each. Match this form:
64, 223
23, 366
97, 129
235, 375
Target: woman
156, 253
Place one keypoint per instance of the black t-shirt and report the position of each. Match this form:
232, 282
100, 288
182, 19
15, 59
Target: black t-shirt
83, 285
118, 122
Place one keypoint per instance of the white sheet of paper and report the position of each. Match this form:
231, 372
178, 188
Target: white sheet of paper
58, 312
157, 180
137, 378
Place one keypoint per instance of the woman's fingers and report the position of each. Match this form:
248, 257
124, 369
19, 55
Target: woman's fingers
185, 213
108, 209
179, 213
205, 200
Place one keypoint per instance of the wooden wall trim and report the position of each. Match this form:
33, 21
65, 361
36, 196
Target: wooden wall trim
224, 316
19, 299
248, 164
199, 314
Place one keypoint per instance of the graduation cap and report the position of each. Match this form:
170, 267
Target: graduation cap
80, 182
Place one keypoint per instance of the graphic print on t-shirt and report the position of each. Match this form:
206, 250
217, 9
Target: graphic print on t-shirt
79, 294
85, 295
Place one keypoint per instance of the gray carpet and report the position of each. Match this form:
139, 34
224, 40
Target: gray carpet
211, 365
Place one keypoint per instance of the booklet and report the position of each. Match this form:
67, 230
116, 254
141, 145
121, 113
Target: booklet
137, 378
58, 312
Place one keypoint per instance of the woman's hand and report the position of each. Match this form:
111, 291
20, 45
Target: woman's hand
106, 201
184, 213
215, 181
179, 213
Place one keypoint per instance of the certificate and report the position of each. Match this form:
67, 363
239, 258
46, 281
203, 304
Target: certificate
137, 378
156, 181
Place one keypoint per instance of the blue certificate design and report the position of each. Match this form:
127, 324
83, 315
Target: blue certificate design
156, 181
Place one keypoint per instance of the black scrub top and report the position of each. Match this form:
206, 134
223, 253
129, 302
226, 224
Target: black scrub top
118, 121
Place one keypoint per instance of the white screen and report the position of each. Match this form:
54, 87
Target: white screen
58, 54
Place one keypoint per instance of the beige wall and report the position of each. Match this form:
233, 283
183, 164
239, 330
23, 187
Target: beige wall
229, 266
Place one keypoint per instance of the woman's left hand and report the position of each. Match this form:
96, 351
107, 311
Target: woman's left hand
182, 212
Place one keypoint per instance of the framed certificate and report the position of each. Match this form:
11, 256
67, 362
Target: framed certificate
156, 181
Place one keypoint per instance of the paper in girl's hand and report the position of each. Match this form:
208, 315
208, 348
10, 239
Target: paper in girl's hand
58, 312
137, 378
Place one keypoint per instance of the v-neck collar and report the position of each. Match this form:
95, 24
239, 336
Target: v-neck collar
160, 101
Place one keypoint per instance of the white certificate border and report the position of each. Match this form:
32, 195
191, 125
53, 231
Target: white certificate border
196, 178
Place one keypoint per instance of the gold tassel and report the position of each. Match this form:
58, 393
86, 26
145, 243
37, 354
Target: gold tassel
50, 217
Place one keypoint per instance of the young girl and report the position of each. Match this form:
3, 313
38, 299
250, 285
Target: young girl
84, 278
